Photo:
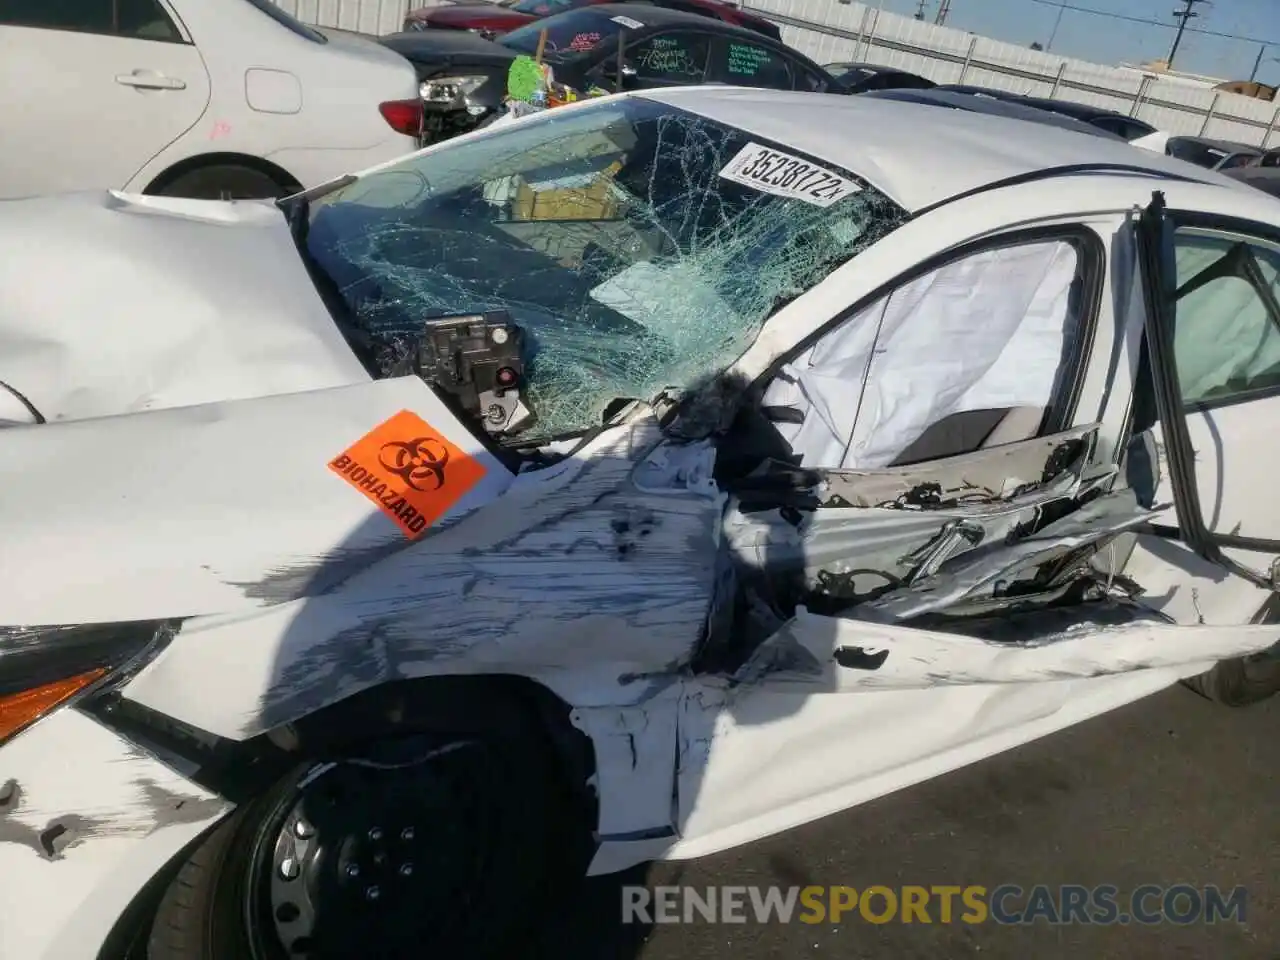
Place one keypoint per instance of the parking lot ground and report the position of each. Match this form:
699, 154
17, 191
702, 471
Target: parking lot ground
1169, 790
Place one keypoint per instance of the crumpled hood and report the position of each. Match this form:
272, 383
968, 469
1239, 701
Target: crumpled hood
112, 303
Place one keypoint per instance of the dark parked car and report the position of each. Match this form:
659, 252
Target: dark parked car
1214, 154
464, 76
494, 19
1130, 128
863, 77
1266, 179
991, 105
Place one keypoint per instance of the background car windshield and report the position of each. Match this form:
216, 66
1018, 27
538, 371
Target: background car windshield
569, 32
611, 234
545, 8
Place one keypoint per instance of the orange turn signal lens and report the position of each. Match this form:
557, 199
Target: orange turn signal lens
19, 710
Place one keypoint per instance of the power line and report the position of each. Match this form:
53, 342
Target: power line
1147, 21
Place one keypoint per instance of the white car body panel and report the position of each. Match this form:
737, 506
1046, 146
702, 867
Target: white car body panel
530, 584
272, 522
168, 329
78, 128
595, 576
83, 848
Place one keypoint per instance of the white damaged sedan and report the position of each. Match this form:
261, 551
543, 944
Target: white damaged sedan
631, 481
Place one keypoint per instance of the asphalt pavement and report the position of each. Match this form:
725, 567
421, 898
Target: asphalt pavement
1170, 790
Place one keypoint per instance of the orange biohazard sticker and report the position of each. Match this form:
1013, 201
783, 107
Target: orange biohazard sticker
409, 470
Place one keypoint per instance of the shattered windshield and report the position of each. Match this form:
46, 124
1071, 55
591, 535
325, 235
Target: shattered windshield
639, 246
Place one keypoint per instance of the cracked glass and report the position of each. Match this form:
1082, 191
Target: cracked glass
610, 233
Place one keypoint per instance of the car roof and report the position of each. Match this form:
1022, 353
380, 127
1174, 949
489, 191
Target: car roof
915, 153
994, 106
654, 16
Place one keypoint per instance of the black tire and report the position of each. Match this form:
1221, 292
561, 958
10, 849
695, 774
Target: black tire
487, 825
226, 182
1239, 682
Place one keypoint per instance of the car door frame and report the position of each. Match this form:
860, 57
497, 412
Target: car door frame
1156, 227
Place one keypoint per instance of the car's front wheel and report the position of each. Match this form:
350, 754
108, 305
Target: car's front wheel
428, 846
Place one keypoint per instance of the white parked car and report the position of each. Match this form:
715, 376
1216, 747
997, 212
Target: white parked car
634, 480
192, 98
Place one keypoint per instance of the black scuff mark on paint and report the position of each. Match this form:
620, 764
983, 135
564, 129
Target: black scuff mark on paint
50, 842
859, 658
67, 831
318, 576
780, 654
167, 808
630, 528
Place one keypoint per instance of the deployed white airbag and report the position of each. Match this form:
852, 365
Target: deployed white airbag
983, 332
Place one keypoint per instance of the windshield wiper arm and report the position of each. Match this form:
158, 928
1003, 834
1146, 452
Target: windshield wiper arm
298, 206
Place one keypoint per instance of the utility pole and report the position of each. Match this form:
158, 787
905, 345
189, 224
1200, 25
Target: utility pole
943, 9
1188, 12
1257, 64
1053, 35
920, 9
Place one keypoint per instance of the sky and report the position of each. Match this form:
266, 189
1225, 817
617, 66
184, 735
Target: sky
1107, 40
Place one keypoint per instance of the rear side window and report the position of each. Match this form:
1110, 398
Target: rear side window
285, 20
1226, 335
746, 64
671, 58
136, 19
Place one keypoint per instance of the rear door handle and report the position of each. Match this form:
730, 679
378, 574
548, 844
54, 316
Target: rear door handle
151, 81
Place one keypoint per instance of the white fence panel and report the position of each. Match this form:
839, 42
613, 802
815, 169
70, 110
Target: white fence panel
363, 16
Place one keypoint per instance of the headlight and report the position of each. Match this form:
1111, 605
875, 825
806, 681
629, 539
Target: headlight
43, 668
450, 91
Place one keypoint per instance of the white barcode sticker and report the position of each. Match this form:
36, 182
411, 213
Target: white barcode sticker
778, 173
628, 22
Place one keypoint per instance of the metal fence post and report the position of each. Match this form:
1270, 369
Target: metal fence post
871, 36
861, 34
1209, 116
1271, 128
1140, 97
968, 58
1057, 81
